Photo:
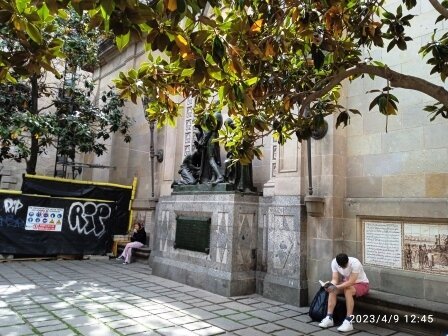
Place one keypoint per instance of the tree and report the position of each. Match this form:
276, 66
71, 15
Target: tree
31, 41
277, 65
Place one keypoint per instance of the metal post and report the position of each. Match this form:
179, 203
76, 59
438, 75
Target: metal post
310, 173
152, 154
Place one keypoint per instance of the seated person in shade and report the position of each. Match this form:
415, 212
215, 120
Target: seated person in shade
138, 239
354, 283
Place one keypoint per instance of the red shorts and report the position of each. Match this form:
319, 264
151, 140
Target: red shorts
362, 288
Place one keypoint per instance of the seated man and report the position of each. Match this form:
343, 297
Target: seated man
354, 282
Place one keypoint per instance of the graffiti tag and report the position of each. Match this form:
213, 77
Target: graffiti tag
89, 218
12, 206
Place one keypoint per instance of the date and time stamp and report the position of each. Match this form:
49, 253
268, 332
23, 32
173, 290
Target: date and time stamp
393, 318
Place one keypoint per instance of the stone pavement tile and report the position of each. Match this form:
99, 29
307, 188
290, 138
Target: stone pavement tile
261, 305
132, 329
56, 305
10, 320
239, 316
201, 303
194, 300
35, 314
253, 322
265, 315
298, 326
199, 313
271, 302
171, 315
215, 298
250, 332
401, 333
335, 329
153, 322
70, 312
78, 321
183, 320
110, 318
303, 318
287, 332
373, 329
175, 331
18, 330
269, 327
220, 311
164, 299
28, 308
238, 306
104, 313
249, 301
212, 331
120, 323
226, 324
289, 313
213, 307
327, 332
96, 329
276, 309
119, 305
196, 325
150, 305
43, 323
52, 327
65, 332
134, 312
178, 305
160, 310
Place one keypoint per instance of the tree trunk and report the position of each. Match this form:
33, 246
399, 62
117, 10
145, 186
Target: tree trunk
34, 149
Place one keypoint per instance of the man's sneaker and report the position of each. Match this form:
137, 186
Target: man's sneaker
327, 322
120, 258
346, 326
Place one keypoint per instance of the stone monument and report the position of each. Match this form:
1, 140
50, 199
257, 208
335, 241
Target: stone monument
206, 232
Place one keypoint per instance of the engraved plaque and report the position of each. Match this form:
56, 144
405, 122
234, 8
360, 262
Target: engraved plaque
193, 234
382, 244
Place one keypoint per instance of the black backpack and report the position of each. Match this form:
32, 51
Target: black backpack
318, 308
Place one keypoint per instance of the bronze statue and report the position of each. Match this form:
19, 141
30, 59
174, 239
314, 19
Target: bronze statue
203, 164
191, 165
211, 156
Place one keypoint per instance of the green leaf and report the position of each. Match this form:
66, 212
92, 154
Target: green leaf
21, 5
43, 12
123, 40
108, 6
251, 81
187, 72
34, 33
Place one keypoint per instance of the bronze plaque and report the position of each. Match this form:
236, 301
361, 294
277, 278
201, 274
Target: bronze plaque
193, 233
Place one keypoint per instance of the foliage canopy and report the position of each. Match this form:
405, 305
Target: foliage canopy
275, 65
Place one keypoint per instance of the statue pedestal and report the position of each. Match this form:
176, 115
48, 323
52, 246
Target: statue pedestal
228, 268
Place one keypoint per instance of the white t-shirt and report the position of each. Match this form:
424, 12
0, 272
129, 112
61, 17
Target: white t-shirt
354, 266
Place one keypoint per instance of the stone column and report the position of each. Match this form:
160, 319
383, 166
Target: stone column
281, 264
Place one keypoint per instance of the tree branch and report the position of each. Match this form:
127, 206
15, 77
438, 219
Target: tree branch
45, 107
396, 80
438, 7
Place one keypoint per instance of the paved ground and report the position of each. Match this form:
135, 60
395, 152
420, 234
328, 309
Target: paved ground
102, 298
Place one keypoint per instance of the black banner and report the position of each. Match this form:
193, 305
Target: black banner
82, 189
44, 226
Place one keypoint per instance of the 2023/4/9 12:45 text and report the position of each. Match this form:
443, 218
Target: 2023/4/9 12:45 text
392, 318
